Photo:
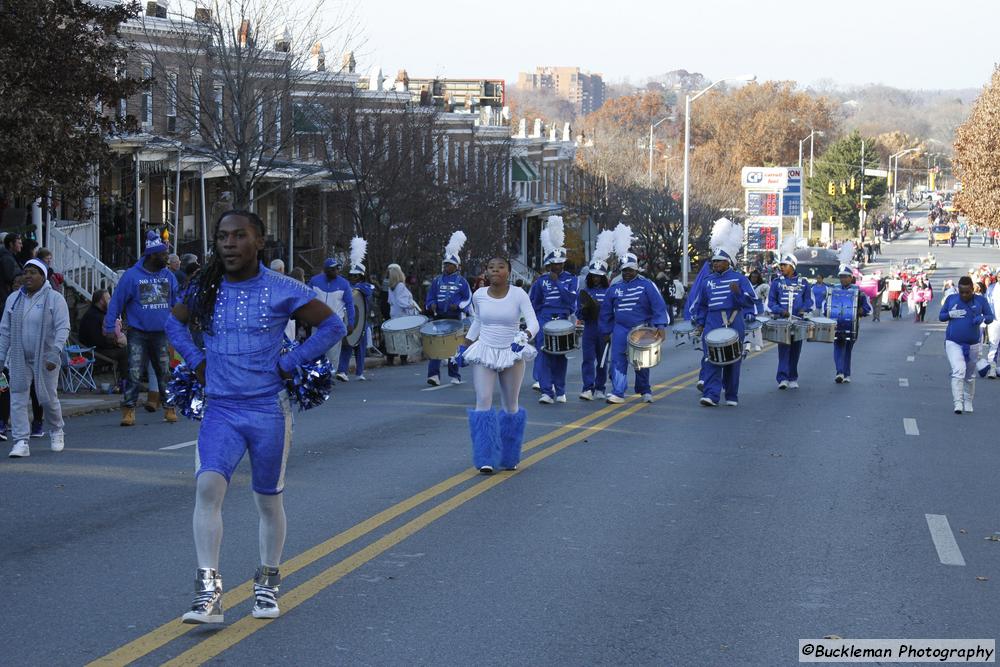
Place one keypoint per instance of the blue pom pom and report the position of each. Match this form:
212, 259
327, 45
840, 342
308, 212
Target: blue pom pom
185, 393
311, 383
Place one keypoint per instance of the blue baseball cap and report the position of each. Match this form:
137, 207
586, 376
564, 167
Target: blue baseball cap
330, 263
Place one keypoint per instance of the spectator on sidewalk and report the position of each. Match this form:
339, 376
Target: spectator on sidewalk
33, 333
92, 333
56, 279
10, 268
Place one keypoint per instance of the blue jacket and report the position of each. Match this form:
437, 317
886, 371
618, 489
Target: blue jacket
598, 294
777, 298
553, 299
338, 284
448, 293
629, 304
715, 301
819, 293
706, 269
965, 330
145, 298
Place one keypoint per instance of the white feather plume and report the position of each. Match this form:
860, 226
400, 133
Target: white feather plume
788, 244
557, 233
604, 246
846, 253
358, 249
546, 238
728, 236
623, 240
455, 244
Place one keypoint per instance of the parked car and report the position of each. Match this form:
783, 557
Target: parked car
940, 235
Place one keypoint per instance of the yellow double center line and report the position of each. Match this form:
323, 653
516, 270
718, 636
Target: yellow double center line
241, 629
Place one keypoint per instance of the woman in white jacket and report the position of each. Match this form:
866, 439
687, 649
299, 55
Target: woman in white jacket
401, 301
33, 333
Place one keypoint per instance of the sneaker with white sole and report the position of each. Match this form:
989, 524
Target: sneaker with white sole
536, 386
647, 398
707, 402
599, 395
58, 441
839, 379
612, 398
586, 395
783, 384
732, 404
341, 376
793, 384
3, 431
36, 430
561, 398
545, 399
847, 379
265, 592
361, 378
207, 605
19, 450
456, 381
434, 381
700, 386
486, 470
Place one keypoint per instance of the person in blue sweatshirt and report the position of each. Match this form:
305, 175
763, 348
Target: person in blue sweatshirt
703, 274
594, 369
964, 312
725, 299
635, 301
820, 290
843, 345
242, 309
789, 287
356, 276
448, 296
144, 295
553, 296
333, 289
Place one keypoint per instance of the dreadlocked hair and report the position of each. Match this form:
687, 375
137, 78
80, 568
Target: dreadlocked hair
200, 297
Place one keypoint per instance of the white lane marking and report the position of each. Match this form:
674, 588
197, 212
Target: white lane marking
919, 343
944, 540
904, 382
181, 445
927, 333
439, 388
910, 358
910, 426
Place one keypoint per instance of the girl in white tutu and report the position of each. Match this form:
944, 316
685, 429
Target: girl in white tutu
497, 349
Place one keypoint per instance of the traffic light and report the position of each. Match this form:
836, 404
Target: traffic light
831, 189
852, 184
843, 188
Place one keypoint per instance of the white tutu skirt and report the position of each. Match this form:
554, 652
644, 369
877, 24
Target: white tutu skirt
497, 358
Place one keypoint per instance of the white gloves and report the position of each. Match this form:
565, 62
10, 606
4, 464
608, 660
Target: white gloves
956, 313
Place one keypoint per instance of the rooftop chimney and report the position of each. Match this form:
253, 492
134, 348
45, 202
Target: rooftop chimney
317, 57
349, 63
202, 14
157, 8
283, 43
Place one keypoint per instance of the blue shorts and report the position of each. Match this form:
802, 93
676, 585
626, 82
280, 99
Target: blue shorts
261, 427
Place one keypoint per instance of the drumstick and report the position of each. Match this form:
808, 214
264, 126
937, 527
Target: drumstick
604, 355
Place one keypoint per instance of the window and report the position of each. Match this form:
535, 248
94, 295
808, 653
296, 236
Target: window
196, 100
260, 120
277, 121
172, 101
217, 101
147, 100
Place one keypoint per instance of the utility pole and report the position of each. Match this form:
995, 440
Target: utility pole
861, 210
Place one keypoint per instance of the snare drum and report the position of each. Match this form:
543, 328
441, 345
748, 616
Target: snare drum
402, 334
722, 346
644, 347
754, 324
559, 336
779, 331
824, 330
440, 339
802, 330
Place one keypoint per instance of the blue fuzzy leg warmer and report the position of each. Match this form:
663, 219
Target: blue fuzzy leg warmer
511, 437
485, 435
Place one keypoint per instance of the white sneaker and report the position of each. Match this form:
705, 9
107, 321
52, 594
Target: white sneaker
757, 348
647, 398
362, 378
793, 384
20, 450
434, 381
707, 402
456, 381
700, 385
341, 376
732, 404
783, 384
958, 411
561, 398
847, 379
546, 399
599, 396
614, 399
58, 440
586, 395
536, 387
967, 406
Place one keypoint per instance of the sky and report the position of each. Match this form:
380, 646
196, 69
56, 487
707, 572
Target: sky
921, 44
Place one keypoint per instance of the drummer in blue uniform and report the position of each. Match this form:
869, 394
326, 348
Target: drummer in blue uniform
594, 369
356, 276
820, 290
787, 288
724, 299
846, 304
447, 297
553, 296
635, 301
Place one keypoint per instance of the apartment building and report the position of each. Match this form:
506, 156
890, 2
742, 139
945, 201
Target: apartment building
585, 90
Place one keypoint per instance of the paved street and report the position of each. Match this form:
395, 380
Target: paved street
636, 534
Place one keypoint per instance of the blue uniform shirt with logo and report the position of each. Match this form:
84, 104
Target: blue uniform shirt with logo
447, 291
777, 298
631, 303
716, 304
553, 299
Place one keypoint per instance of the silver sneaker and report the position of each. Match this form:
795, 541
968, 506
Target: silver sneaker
599, 396
586, 395
207, 605
57, 440
19, 450
341, 376
265, 592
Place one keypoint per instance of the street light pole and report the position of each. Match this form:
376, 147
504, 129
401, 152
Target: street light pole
688, 99
651, 128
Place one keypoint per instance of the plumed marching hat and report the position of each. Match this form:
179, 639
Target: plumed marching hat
603, 248
845, 255
358, 248
623, 242
726, 241
452, 250
788, 251
553, 237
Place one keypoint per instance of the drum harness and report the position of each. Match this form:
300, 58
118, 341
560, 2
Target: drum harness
726, 321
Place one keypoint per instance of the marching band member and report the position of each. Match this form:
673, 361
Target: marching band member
333, 289
699, 280
242, 307
497, 350
448, 295
594, 369
725, 299
635, 301
964, 312
820, 290
356, 276
848, 294
553, 296
789, 287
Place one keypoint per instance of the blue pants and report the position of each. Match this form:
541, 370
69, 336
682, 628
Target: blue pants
842, 356
718, 378
619, 365
595, 377
145, 347
551, 371
788, 361
359, 357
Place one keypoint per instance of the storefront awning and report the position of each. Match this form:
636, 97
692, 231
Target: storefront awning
523, 171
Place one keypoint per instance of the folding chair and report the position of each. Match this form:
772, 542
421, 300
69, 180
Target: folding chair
77, 368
